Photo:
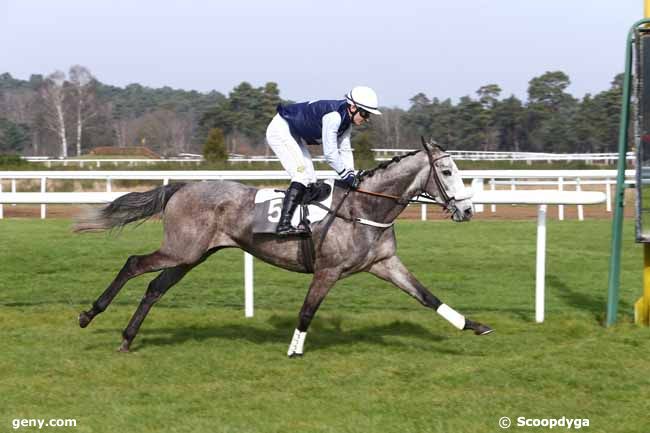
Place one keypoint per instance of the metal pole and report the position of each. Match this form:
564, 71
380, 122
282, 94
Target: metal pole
617, 222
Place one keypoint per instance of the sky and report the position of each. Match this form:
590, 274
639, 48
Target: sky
320, 49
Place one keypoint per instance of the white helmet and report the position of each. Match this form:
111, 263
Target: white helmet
363, 97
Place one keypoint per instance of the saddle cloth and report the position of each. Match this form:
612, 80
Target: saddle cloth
268, 206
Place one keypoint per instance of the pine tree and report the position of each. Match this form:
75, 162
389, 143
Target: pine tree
214, 149
363, 154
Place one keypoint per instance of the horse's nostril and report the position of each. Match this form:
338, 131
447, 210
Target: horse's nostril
468, 212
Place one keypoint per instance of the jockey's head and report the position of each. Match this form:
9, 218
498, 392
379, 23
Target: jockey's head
362, 101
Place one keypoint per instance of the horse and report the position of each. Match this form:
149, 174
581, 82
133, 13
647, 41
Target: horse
357, 235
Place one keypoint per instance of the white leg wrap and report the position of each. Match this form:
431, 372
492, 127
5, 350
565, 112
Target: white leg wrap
297, 343
452, 316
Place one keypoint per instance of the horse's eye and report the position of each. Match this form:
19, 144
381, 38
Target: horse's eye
446, 172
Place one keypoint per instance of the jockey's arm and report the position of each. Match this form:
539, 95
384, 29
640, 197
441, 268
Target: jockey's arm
340, 159
345, 149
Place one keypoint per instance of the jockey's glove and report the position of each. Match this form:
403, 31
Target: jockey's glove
349, 178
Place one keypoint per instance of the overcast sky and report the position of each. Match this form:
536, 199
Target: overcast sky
319, 49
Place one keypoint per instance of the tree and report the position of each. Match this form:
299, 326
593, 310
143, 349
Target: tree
14, 138
363, 154
214, 149
551, 111
53, 94
81, 82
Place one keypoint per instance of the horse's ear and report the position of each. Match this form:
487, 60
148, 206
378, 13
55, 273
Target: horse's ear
426, 145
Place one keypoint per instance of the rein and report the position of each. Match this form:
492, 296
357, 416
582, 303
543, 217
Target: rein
445, 197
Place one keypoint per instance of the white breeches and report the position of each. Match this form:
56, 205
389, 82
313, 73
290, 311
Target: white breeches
294, 156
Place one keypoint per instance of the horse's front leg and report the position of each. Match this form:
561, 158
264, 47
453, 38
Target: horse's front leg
320, 285
394, 271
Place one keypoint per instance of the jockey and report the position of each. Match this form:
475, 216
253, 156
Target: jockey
326, 122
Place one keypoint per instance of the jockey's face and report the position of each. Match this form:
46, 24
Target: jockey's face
360, 115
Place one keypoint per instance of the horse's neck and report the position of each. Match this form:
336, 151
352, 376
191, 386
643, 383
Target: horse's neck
402, 179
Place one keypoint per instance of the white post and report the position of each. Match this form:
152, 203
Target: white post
109, 185
493, 207
248, 285
560, 207
581, 215
43, 189
541, 264
477, 185
423, 212
608, 193
13, 187
166, 181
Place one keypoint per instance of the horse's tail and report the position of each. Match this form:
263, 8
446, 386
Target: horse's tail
127, 208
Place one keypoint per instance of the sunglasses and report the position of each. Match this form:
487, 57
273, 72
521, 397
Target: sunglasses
363, 113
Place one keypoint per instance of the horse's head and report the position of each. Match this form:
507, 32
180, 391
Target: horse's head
444, 184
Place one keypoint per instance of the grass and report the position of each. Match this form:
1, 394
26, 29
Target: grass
376, 361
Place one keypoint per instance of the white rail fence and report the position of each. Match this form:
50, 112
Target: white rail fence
557, 179
380, 155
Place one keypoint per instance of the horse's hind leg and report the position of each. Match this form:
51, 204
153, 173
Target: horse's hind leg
157, 288
321, 284
134, 266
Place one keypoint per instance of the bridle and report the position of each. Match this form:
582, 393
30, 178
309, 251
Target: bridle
445, 200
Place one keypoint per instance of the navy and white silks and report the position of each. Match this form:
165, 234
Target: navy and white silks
296, 126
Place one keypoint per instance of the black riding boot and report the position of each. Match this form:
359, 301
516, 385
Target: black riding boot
292, 199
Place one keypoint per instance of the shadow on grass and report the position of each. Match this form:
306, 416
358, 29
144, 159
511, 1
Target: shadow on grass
596, 305
327, 332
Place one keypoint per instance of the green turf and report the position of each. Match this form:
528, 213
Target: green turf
376, 361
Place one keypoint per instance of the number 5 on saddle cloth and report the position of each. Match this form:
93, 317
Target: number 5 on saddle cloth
268, 205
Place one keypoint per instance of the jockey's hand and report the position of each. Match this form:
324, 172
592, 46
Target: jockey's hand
350, 179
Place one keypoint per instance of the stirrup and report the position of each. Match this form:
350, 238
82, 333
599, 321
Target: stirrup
290, 230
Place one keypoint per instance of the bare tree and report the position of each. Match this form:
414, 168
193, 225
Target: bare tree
81, 80
53, 94
388, 125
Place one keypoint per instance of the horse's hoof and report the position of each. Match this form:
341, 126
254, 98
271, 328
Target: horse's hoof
84, 319
124, 347
483, 330
295, 355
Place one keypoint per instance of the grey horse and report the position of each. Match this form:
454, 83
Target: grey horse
204, 217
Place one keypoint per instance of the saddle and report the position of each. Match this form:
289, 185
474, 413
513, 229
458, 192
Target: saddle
268, 206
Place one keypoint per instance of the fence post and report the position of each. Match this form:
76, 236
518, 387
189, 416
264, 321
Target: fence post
581, 215
493, 207
477, 185
423, 212
43, 190
608, 193
248, 285
109, 185
13, 187
560, 208
541, 264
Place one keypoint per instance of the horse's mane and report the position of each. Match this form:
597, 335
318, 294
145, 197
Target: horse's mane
383, 165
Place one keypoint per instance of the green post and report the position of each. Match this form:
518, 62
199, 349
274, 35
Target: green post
617, 224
